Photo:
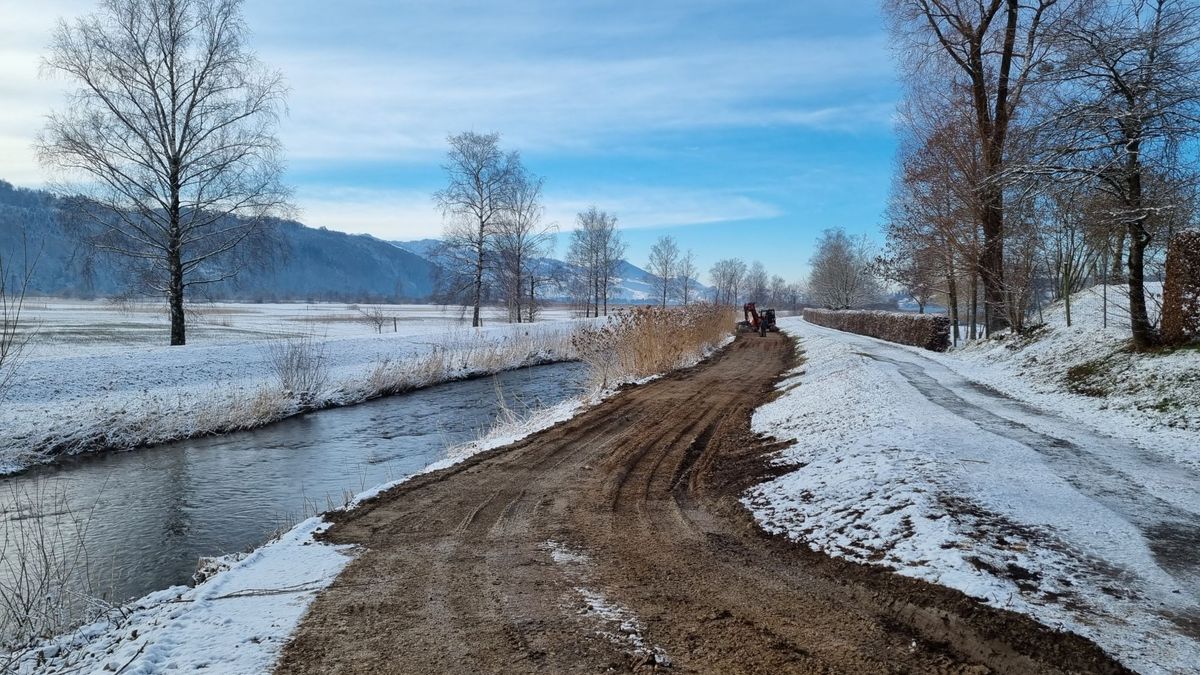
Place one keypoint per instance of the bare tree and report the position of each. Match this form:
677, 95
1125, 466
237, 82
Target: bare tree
842, 274
989, 48
758, 282
687, 276
373, 316
728, 276
522, 238
596, 250
779, 290
170, 135
475, 202
14, 333
664, 265
1127, 102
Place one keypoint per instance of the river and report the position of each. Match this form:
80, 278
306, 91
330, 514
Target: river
145, 517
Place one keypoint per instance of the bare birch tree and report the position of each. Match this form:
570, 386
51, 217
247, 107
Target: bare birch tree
474, 203
687, 276
168, 140
596, 250
522, 239
664, 265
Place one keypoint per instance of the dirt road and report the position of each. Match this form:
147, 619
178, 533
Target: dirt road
615, 541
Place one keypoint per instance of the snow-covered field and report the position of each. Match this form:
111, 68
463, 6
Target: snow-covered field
99, 375
980, 470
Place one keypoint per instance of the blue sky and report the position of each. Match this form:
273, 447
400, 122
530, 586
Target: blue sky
740, 128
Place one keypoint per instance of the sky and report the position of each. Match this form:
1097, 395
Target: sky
738, 128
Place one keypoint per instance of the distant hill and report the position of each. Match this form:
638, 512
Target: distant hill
632, 284
303, 263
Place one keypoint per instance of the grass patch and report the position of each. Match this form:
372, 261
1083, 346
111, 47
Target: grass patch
1088, 378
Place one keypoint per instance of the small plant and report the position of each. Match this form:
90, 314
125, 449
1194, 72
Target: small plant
14, 337
373, 316
47, 582
299, 363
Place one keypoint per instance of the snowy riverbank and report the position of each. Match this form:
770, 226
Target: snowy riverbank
115, 393
979, 470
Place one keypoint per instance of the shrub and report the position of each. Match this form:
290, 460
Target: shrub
299, 364
1181, 291
929, 331
643, 341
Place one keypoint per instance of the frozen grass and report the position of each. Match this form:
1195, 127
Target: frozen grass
47, 581
644, 341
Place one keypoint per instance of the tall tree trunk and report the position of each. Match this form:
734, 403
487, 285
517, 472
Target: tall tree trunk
516, 289
531, 298
175, 264
973, 331
478, 290
1118, 259
175, 289
952, 300
991, 260
1144, 334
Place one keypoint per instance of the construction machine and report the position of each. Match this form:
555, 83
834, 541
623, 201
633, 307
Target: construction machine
760, 322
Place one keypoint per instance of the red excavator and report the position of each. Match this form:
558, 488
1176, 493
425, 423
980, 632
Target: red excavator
757, 321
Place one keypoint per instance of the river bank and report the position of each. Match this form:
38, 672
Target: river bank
120, 394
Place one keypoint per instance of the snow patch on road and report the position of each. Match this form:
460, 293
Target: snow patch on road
960, 487
618, 624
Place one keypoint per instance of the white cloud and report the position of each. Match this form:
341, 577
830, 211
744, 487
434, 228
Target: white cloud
345, 106
406, 214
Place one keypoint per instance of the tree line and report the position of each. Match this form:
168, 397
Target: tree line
1045, 146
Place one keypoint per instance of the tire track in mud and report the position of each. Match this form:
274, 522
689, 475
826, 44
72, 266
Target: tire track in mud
460, 571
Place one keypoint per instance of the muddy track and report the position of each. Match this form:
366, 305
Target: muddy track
615, 541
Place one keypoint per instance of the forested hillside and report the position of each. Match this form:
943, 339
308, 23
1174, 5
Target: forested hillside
298, 263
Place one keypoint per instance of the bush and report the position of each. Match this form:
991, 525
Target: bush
929, 331
299, 364
1181, 291
644, 341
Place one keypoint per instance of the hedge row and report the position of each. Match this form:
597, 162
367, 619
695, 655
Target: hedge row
931, 331
1181, 292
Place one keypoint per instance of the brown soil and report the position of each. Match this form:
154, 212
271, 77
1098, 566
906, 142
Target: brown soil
507, 562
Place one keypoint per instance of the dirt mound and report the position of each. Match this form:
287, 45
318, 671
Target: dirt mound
615, 541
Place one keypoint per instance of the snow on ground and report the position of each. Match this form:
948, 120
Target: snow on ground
236, 622
93, 379
1025, 500
1088, 373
